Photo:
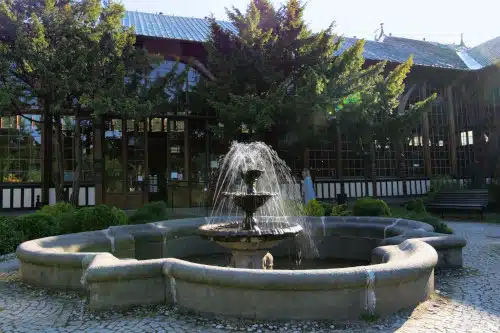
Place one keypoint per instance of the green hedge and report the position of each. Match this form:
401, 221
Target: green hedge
151, 212
59, 219
314, 208
371, 207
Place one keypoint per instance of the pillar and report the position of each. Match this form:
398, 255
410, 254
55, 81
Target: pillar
425, 135
99, 180
452, 132
47, 149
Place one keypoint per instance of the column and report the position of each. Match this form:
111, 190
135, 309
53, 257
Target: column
47, 149
425, 135
452, 131
99, 180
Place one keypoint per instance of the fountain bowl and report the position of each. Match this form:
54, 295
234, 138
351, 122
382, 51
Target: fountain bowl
249, 202
230, 235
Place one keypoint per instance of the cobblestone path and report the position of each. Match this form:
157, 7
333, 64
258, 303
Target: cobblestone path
467, 300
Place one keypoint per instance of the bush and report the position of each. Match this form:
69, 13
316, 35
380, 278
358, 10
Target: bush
416, 205
57, 209
98, 218
434, 221
340, 210
371, 207
151, 212
327, 207
37, 225
10, 238
314, 208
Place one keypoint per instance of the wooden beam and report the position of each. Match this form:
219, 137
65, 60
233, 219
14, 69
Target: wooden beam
452, 131
46, 148
425, 134
98, 126
338, 148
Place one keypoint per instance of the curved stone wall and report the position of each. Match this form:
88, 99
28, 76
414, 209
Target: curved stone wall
140, 264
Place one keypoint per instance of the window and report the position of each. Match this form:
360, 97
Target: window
135, 155
113, 156
466, 138
20, 148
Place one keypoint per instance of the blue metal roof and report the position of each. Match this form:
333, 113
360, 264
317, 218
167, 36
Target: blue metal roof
487, 53
171, 27
392, 49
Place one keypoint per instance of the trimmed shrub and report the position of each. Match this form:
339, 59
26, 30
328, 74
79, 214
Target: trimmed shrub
314, 208
99, 217
37, 225
57, 209
340, 210
327, 207
371, 207
416, 205
151, 212
434, 221
10, 237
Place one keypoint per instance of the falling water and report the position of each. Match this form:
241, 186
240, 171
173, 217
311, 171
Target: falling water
277, 178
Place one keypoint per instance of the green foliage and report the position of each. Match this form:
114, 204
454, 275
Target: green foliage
314, 208
76, 57
37, 225
434, 221
444, 183
100, 217
151, 212
416, 205
421, 216
10, 237
371, 207
327, 207
58, 209
59, 219
340, 210
271, 74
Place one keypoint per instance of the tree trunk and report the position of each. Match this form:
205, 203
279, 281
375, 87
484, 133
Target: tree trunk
59, 169
373, 169
78, 168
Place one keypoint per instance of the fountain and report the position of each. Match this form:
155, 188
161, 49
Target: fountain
149, 263
249, 243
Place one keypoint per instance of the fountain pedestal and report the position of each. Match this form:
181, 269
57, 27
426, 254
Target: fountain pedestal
248, 242
252, 259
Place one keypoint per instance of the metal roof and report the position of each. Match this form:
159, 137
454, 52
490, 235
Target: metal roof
392, 49
171, 27
487, 53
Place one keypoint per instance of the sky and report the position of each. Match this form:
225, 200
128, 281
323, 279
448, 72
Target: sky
435, 20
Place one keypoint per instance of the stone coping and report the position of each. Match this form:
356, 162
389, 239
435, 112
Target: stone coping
402, 263
65, 250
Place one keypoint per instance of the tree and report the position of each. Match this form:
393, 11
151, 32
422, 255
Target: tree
379, 118
74, 58
270, 75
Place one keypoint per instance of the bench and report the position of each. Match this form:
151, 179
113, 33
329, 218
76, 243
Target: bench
462, 200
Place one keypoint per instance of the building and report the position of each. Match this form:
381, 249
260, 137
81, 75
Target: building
127, 163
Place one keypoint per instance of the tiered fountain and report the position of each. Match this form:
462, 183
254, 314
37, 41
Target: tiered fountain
249, 242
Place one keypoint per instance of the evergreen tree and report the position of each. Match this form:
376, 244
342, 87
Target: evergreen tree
74, 58
269, 76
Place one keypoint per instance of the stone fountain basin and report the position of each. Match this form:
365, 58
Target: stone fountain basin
141, 264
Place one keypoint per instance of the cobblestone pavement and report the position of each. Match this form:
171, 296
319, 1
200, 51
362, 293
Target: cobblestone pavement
467, 300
